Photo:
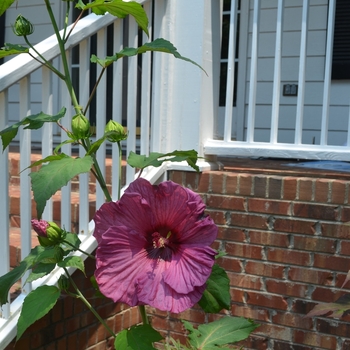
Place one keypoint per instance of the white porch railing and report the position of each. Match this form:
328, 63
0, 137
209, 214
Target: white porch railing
164, 112
311, 125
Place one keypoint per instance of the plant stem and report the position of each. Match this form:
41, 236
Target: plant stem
94, 90
67, 79
120, 169
44, 61
74, 24
89, 306
97, 172
143, 314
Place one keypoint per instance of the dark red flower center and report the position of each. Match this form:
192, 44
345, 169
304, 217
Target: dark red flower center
161, 247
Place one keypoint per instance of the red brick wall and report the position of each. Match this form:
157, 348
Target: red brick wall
287, 248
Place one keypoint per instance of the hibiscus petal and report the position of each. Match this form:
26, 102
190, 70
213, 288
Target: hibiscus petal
131, 211
202, 233
153, 291
120, 259
166, 199
189, 268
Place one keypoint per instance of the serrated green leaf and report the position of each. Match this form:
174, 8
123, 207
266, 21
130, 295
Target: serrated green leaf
40, 270
158, 45
156, 159
9, 279
51, 177
10, 49
96, 145
35, 121
120, 9
137, 338
73, 242
51, 255
217, 294
73, 261
48, 159
4, 5
224, 331
36, 305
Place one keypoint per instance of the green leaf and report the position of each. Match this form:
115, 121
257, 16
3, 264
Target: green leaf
95, 285
10, 49
118, 8
36, 305
9, 279
158, 45
35, 121
156, 159
51, 255
137, 338
217, 294
73, 240
51, 177
224, 331
40, 270
73, 261
96, 145
4, 5
337, 309
47, 159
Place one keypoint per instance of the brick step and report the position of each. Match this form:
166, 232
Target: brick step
14, 170
15, 196
15, 245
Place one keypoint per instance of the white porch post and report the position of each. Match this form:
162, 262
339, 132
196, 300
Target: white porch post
184, 97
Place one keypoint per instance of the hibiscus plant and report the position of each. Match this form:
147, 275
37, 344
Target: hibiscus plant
149, 252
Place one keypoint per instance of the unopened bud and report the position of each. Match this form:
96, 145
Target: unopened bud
22, 26
49, 233
115, 131
63, 283
80, 127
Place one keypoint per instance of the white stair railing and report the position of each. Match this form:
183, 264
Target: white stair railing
262, 122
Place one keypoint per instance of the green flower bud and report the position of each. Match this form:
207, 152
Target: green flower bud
80, 127
54, 233
44, 241
22, 26
115, 132
63, 283
49, 233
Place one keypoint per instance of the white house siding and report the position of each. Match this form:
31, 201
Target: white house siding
35, 11
314, 75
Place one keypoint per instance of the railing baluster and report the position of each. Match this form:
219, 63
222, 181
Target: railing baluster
146, 91
25, 161
253, 73
117, 103
230, 84
84, 77
66, 212
101, 114
301, 79
277, 75
47, 129
4, 203
327, 73
131, 98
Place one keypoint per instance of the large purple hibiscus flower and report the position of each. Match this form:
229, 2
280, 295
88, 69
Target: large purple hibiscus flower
154, 246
